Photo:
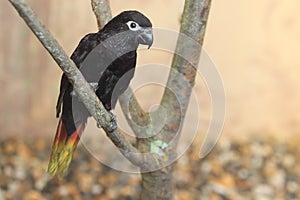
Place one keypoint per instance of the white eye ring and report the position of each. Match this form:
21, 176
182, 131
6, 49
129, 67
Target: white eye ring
133, 26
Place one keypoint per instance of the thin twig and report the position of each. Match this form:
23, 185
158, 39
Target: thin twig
134, 114
82, 88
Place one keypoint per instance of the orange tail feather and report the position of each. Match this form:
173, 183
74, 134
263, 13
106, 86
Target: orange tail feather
62, 149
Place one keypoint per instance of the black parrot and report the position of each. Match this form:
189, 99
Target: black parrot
107, 60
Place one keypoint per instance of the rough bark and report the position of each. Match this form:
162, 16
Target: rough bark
101, 9
158, 184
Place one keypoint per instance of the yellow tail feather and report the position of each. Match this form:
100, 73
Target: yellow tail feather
62, 150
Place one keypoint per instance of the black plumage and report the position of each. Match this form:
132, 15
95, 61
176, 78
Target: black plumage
107, 60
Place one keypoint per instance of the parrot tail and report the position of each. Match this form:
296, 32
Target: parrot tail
62, 149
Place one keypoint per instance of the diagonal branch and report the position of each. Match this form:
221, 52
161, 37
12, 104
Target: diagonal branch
186, 57
82, 88
137, 119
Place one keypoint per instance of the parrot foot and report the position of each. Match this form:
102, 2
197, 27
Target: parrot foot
113, 123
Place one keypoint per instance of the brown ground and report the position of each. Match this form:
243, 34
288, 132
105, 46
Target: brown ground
253, 169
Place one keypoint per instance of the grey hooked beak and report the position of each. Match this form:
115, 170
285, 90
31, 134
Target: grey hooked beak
146, 37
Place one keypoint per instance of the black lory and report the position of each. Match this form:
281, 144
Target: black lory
107, 60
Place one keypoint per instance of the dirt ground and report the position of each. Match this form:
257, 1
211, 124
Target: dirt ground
253, 169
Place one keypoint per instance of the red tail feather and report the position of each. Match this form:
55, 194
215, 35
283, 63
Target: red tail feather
63, 148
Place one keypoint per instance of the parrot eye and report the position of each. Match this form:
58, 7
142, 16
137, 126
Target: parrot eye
133, 25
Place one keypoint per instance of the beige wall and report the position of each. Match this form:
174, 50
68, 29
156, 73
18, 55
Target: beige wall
253, 43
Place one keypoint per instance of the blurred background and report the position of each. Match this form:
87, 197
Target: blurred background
254, 45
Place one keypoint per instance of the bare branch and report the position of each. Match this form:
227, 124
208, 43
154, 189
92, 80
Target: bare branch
101, 9
184, 70
157, 184
134, 114
62, 59
82, 88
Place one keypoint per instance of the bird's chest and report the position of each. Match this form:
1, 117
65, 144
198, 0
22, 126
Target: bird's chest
104, 70
123, 64
102, 59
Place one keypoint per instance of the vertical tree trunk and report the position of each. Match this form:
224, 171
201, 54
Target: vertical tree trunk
158, 184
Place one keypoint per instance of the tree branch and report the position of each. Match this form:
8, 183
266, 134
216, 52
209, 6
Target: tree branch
82, 88
136, 117
101, 9
158, 184
186, 57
